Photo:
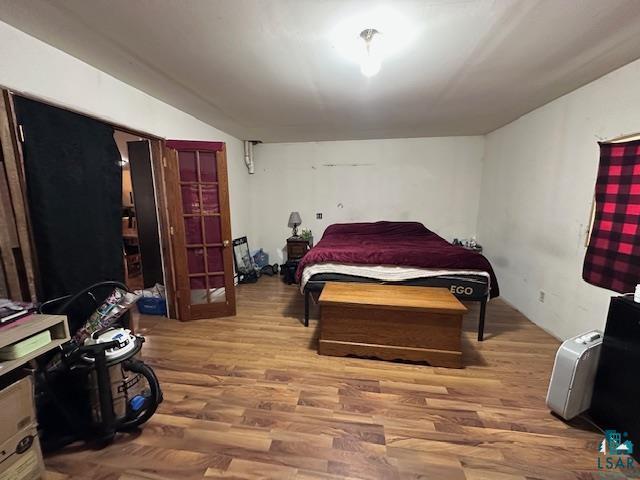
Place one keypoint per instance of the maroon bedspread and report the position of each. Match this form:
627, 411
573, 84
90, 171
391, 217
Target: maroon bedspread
407, 244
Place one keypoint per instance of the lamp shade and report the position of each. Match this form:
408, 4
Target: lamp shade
294, 220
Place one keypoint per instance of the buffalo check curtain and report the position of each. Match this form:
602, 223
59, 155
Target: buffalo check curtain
613, 254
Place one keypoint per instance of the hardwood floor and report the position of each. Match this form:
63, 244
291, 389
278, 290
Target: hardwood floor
248, 398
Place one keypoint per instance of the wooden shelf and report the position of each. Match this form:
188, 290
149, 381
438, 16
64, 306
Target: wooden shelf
27, 327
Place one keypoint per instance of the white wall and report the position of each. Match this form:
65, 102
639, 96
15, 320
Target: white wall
432, 180
31, 66
538, 183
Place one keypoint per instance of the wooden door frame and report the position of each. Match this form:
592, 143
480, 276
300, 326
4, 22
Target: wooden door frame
12, 150
225, 227
158, 167
16, 243
170, 165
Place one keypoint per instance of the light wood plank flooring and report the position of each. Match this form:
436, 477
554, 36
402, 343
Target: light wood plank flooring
248, 398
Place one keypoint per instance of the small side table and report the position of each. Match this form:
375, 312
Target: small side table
297, 247
19, 420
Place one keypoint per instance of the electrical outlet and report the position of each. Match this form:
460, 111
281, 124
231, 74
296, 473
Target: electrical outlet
318, 216
541, 296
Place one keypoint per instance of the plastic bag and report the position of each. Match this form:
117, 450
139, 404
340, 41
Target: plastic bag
157, 291
261, 258
114, 306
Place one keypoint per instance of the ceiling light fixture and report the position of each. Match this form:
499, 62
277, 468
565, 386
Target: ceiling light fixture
356, 41
370, 63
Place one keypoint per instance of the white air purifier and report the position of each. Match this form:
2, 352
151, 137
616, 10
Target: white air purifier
574, 372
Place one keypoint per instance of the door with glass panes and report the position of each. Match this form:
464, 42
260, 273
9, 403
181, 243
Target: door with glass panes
200, 228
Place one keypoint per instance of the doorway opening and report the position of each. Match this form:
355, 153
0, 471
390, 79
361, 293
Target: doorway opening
141, 248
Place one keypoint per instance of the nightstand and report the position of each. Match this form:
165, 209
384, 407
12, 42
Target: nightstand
297, 247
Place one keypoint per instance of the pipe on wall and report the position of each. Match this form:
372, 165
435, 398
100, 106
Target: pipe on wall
248, 156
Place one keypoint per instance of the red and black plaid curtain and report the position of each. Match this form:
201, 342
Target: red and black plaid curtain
613, 255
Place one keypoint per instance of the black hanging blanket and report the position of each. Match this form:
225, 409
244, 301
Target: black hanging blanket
74, 190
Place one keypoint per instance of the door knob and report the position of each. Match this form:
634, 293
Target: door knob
225, 243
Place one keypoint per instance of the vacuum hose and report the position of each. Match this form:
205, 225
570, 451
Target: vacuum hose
151, 403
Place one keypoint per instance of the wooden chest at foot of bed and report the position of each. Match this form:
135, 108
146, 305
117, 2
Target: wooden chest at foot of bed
391, 323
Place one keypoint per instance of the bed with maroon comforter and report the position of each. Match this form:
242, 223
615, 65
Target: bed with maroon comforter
399, 245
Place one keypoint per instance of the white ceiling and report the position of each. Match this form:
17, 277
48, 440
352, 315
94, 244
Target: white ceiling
270, 69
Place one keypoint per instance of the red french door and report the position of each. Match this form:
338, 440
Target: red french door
198, 198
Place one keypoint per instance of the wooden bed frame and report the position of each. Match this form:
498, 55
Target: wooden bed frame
469, 288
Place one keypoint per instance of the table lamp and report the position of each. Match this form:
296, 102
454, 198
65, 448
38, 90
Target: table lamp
294, 221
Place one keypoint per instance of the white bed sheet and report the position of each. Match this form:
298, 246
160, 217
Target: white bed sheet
385, 273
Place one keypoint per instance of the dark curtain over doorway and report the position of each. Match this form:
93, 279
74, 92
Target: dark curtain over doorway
74, 190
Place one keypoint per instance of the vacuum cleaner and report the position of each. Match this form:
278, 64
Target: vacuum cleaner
97, 384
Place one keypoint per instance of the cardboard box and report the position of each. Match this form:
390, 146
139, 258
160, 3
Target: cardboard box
21, 456
20, 453
17, 410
